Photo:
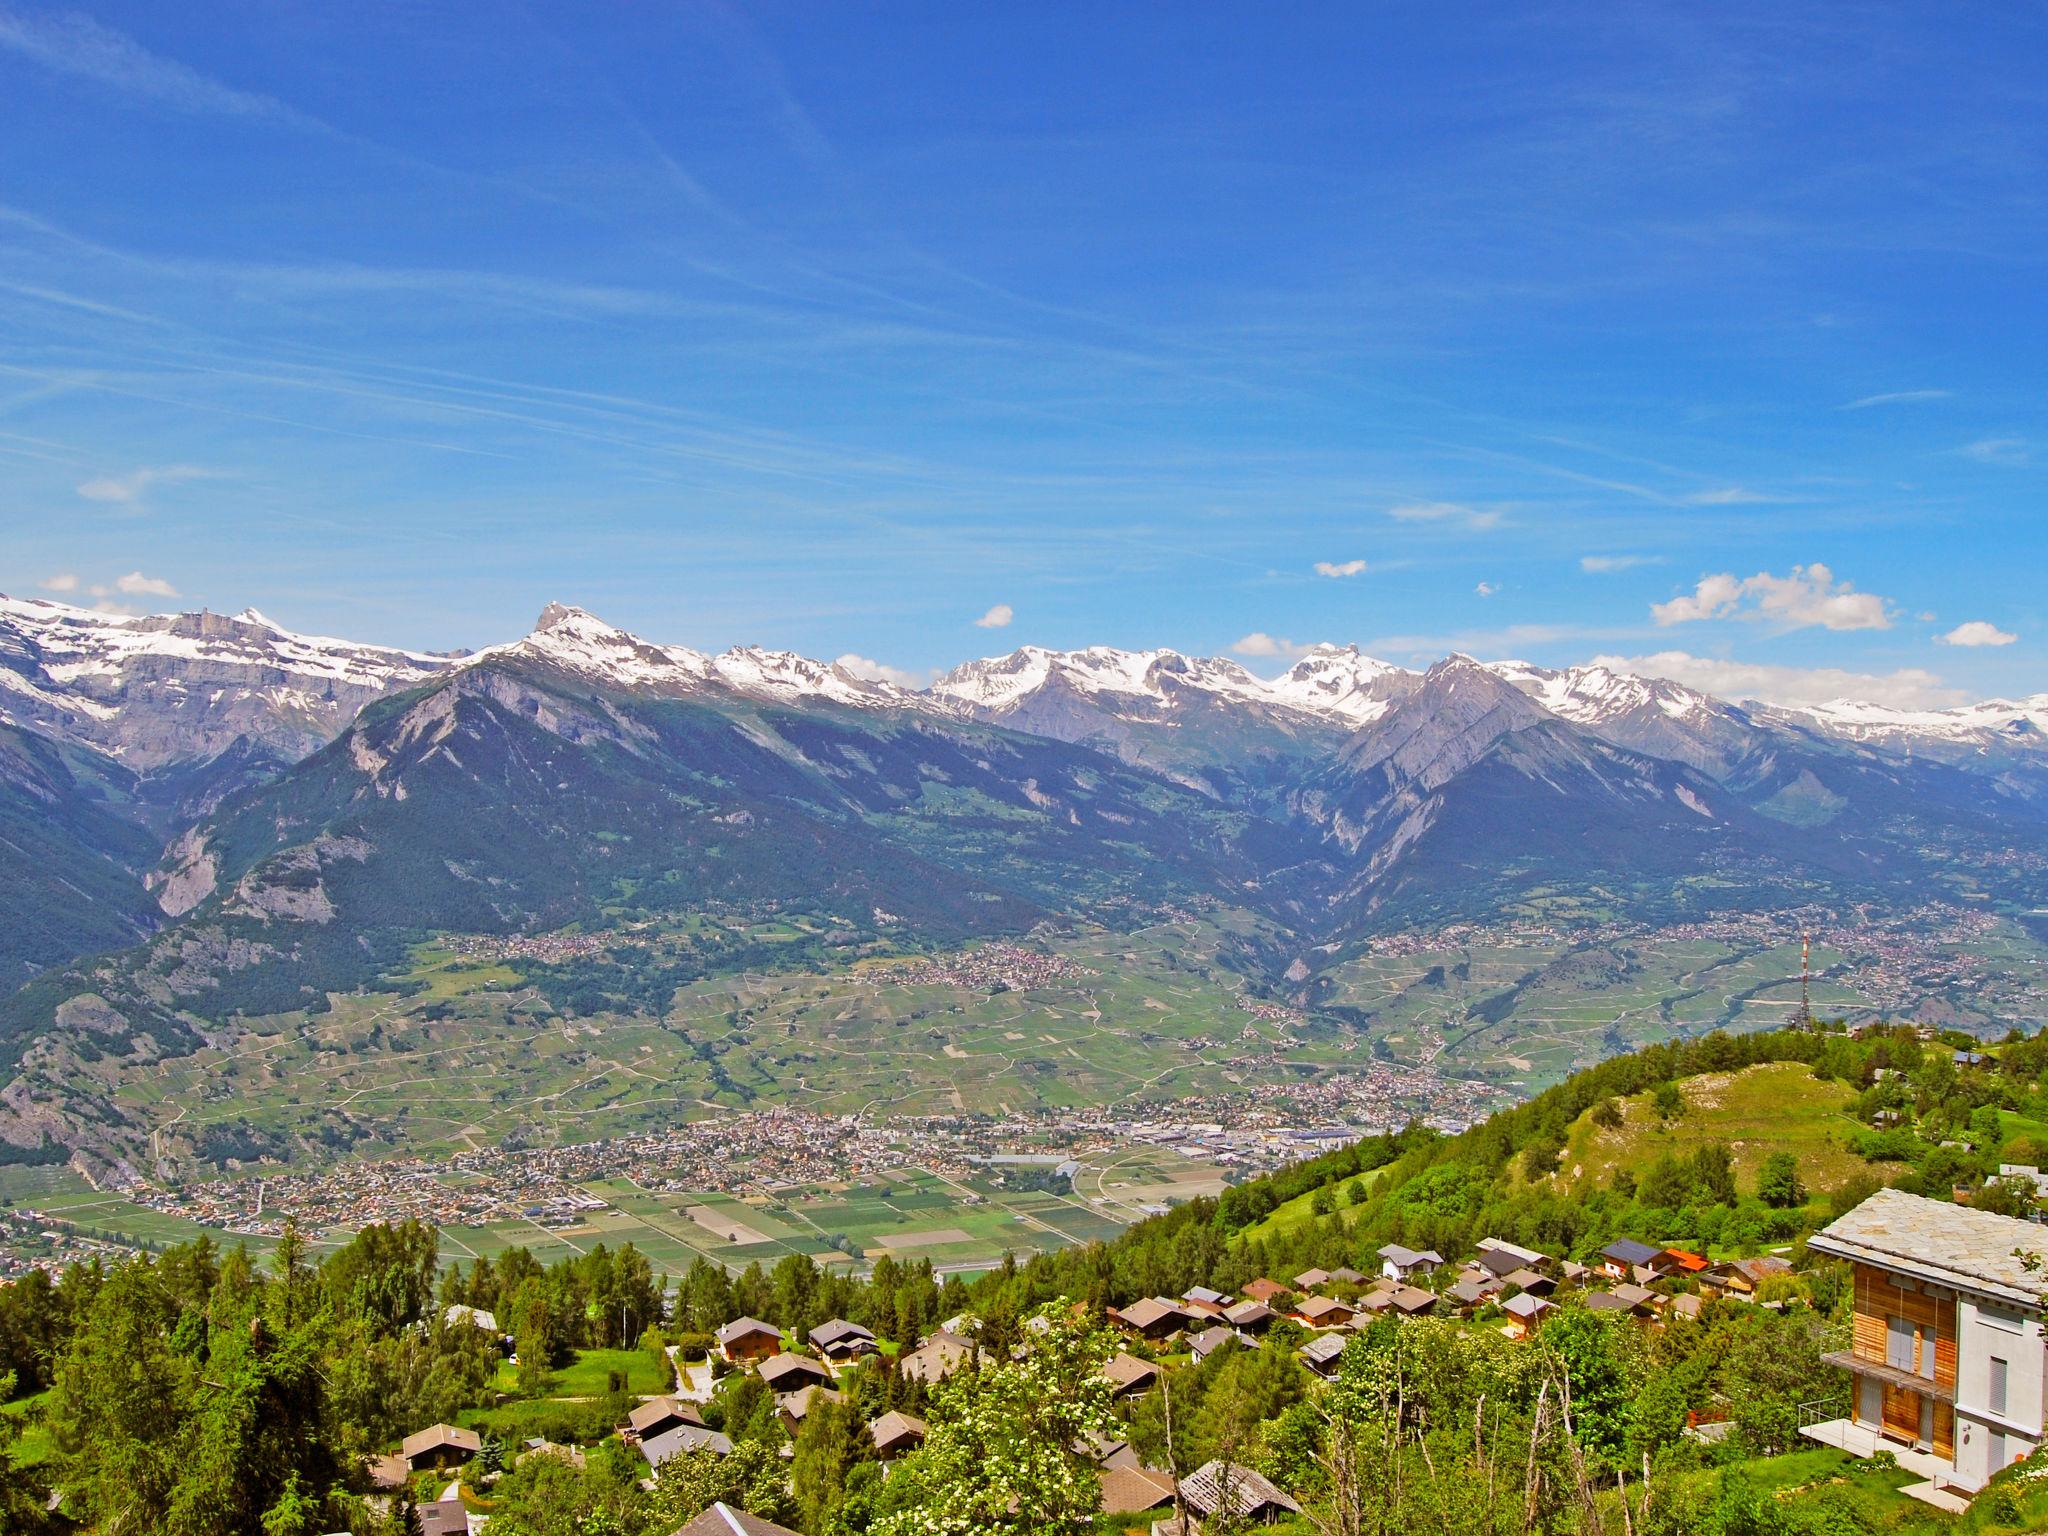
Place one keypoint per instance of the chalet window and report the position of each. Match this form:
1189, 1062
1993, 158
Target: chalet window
1997, 1394
1898, 1344
1927, 1352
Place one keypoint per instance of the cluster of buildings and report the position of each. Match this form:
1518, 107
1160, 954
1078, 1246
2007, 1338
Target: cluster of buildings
31, 1240
1524, 1285
988, 967
541, 948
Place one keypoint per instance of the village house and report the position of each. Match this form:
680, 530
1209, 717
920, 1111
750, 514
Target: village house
1620, 1259
1249, 1316
1201, 1299
936, 1358
841, 1341
1322, 1312
680, 1440
723, 1520
1342, 1275
1129, 1376
1530, 1281
1473, 1292
1153, 1318
747, 1339
1321, 1354
1500, 1257
897, 1434
1310, 1279
444, 1517
1263, 1289
792, 1373
1239, 1493
1134, 1490
1525, 1314
1740, 1278
1399, 1263
440, 1446
1413, 1301
794, 1407
658, 1415
1209, 1340
1948, 1366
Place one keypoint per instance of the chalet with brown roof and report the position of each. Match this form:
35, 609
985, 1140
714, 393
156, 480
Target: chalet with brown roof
1309, 1279
792, 1373
1525, 1314
1264, 1290
794, 1407
1153, 1318
1741, 1277
1209, 1340
659, 1414
747, 1339
440, 1446
1323, 1312
897, 1434
1133, 1490
1249, 1316
1413, 1301
1322, 1353
1129, 1376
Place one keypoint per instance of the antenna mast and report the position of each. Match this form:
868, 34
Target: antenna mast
1806, 980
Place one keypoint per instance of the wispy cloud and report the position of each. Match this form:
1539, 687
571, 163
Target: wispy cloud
1908, 688
1727, 496
997, 617
1977, 632
1340, 568
63, 581
1809, 596
1607, 565
128, 489
1487, 588
1897, 397
1998, 450
73, 44
1449, 513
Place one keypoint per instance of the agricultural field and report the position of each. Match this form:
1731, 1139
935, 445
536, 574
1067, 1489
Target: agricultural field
476, 1058
1530, 1009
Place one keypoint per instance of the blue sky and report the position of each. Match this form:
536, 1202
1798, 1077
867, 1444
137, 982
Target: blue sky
1716, 335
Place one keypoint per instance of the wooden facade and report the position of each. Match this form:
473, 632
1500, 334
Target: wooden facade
1911, 1334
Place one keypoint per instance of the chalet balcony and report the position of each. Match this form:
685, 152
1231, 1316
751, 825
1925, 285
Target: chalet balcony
1890, 1375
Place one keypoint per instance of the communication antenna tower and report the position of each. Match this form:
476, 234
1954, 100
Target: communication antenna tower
1806, 980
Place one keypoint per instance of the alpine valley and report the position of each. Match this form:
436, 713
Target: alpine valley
583, 883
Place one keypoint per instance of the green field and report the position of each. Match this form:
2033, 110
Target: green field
1776, 1107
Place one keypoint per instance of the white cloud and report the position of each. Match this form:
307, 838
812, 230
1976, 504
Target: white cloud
135, 584
1997, 450
1977, 632
1340, 567
127, 489
1897, 397
1445, 512
997, 617
882, 672
1908, 688
1728, 496
1810, 595
1602, 565
63, 581
1486, 588
1259, 643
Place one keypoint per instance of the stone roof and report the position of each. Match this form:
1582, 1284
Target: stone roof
1947, 1244
1127, 1370
1244, 1491
659, 1410
782, 1372
724, 1520
894, 1427
745, 1327
681, 1440
1127, 1490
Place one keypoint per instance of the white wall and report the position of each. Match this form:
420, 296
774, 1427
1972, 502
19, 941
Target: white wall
1984, 1330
